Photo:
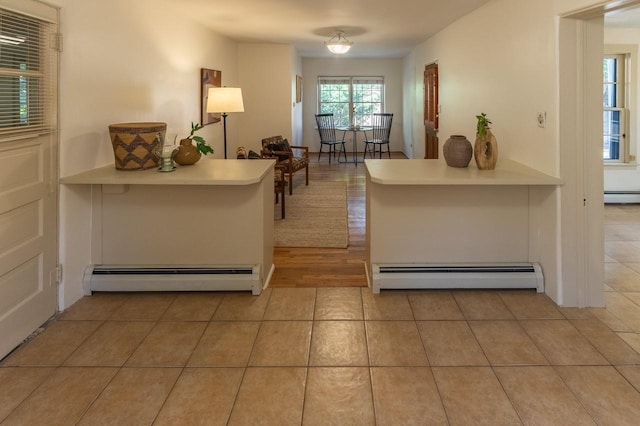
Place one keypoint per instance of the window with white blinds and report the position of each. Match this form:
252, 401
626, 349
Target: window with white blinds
351, 100
28, 73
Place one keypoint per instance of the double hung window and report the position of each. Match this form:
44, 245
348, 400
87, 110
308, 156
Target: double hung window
351, 100
615, 111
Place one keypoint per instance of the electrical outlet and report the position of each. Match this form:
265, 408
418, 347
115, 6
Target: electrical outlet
542, 119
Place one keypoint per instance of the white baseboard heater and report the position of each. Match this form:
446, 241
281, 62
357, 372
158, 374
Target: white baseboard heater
622, 197
172, 278
457, 276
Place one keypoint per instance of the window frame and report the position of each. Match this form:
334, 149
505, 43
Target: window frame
353, 112
28, 73
625, 82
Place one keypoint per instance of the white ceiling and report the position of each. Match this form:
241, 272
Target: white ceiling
378, 28
627, 18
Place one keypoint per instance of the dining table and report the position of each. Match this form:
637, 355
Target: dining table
354, 131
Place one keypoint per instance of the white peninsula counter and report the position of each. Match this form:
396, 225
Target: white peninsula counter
433, 226
203, 227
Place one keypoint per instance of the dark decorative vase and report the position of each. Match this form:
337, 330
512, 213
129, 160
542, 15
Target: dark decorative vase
485, 151
457, 151
186, 154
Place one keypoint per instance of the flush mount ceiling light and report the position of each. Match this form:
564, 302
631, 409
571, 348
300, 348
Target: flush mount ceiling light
338, 44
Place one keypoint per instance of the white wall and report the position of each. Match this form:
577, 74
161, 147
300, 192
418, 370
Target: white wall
267, 76
626, 177
503, 59
390, 69
124, 61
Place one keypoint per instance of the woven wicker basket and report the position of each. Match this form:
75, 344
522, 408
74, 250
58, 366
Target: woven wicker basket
134, 144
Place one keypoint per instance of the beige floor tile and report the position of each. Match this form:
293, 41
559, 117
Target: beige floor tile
193, 307
16, 383
506, 343
436, 305
473, 396
634, 265
395, 343
631, 373
242, 307
270, 396
225, 344
388, 305
62, 398
98, 307
450, 343
291, 304
632, 339
633, 296
111, 345
606, 395
624, 309
338, 303
527, 304
143, 307
561, 343
576, 313
541, 397
622, 251
604, 315
609, 259
338, 396
134, 396
338, 343
169, 344
620, 277
615, 349
482, 305
406, 396
282, 344
622, 232
54, 345
201, 396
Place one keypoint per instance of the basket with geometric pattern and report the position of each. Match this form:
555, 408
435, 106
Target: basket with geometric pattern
135, 144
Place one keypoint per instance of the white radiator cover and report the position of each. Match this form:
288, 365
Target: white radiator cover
457, 276
172, 278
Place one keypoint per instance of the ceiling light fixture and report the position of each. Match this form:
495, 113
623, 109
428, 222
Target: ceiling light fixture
338, 44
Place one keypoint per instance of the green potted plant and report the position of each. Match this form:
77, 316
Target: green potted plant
485, 150
187, 153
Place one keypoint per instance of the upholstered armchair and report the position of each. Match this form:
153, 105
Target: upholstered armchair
279, 147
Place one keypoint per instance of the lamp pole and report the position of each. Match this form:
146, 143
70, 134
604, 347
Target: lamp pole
224, 126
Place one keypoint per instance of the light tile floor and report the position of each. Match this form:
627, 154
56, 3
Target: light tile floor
339, 356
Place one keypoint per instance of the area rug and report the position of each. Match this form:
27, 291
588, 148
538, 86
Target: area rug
315, 216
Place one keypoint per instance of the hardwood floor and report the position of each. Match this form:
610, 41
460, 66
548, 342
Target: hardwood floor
325, 267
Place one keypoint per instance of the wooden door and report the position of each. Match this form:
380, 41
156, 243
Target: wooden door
431, 110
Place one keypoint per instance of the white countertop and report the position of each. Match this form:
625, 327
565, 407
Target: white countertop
436, 172
204, 172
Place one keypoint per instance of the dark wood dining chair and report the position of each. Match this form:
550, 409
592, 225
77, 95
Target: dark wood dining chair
327, 130
380, 132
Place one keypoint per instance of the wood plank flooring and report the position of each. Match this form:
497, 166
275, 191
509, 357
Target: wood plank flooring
326, 267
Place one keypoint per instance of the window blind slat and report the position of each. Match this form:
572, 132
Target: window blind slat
28, 73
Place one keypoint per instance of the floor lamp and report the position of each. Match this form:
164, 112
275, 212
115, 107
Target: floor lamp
224, 100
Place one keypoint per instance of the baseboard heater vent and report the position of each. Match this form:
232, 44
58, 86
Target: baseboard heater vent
622, 197
469, 276
172, 278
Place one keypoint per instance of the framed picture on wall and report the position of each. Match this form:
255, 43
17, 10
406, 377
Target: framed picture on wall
208, 78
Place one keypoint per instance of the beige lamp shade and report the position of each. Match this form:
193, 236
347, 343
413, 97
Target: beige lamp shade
225, 99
